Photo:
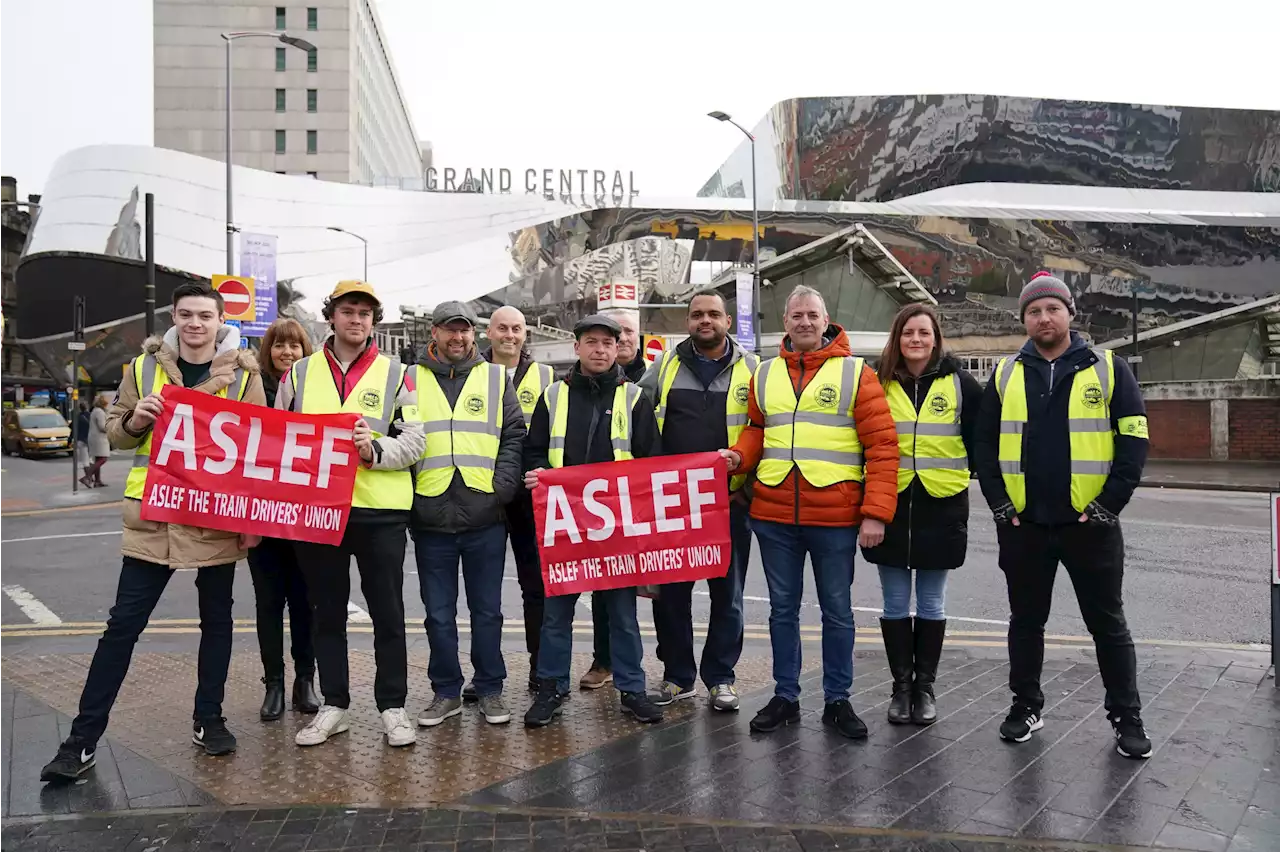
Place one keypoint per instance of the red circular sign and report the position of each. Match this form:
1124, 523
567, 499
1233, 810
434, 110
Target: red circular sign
653, 349
236, 296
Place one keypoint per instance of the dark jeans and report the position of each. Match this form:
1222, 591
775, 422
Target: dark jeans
1094, 558
139, 590
379, 551
524, 546
625, 644
277, 582
601, 640
483, 553
673, 617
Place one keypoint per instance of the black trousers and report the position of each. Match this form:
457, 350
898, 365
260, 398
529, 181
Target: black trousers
139, 590
523, 533
378, 548
277, 583
1094, 558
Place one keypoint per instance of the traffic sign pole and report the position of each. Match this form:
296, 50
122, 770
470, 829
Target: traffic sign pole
76, 345
1275, 588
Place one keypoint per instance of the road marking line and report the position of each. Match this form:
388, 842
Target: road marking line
90, 507
31, 607
53, 537
356, 614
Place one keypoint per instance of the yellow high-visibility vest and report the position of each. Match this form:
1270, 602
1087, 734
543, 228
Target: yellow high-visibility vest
815, 432
464, 438
930, 445
374, 399
621, 427
149, 379
735, 406
536, 380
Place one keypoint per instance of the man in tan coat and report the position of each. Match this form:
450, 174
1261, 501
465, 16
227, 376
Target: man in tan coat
201, 353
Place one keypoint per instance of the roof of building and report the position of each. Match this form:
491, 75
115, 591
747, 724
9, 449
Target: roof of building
1267, 308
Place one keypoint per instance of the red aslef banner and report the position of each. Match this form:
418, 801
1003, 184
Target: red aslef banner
226, 465
633, 523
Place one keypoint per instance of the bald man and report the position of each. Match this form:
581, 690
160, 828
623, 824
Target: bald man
507, 335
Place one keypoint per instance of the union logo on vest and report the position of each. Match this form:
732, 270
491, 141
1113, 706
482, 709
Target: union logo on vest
1093, 396
938, 403
827, 396
371, 400
741, 393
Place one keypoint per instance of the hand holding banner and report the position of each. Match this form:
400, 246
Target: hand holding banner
213, 460
633, 523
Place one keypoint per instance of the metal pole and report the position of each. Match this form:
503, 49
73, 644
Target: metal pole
77, 336
755, 243
1134, 361
230, 226
366, 259
149, 294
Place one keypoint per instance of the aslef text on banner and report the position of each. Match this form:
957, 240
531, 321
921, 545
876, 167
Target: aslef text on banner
633, 523
227, 465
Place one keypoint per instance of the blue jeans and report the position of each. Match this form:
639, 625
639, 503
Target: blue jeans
931, 593
832, 551
484, 554
625, 647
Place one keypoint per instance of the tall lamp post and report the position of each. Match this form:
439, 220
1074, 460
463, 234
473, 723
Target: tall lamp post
361, 239
299, 43
755, 227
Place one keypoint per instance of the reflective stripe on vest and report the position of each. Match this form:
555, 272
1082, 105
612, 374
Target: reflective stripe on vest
815, 432
735, 407
374, 399
930, 444
464, 438
536, 380
1092, 441
147, 374
625, 397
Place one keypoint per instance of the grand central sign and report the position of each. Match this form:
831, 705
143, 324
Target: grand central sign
550, 183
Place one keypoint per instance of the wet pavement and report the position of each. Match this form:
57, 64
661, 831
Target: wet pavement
1212, 476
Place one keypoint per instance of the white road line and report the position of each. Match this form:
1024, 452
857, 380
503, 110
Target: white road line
31, 607
355, 613
54, 537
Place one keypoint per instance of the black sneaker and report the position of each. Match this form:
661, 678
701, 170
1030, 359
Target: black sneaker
469, 693
547, 704
212, 735
840, 715
1131, 736
778, 712
641, 706
1020, 724
71, 761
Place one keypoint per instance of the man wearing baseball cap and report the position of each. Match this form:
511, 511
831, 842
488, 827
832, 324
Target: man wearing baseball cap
350, 375
1061, 442
597, 406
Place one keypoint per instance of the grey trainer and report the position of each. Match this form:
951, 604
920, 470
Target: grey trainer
495, 712
724, 697
440, 709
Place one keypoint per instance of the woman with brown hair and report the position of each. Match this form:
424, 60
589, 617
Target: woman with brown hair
277, 579
935, 404
99, 446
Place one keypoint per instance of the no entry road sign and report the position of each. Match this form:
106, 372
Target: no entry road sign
654, 346
238, 294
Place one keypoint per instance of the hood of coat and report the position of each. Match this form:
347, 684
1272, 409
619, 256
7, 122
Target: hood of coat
1078, 344
227, 355
603, 383
522, 363
947, 365
686, 351
447, 369
835, 344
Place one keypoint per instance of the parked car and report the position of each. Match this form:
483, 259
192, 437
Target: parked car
36, 432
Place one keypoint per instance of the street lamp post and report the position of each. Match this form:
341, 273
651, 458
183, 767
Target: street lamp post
292, 41
361, 239
755, 227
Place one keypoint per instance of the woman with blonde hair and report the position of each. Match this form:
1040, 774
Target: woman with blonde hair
277, 579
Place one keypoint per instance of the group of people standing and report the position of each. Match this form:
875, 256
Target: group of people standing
826, 454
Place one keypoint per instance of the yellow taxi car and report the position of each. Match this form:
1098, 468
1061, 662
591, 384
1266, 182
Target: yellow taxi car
35, 432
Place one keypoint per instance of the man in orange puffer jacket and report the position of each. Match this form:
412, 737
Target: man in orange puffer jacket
824, 449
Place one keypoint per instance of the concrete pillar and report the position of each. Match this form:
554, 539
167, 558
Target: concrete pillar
1219, 429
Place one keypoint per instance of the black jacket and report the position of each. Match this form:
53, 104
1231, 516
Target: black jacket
634, 371
270, 386
522, 366
932, 533
695, 411
459, 508
590, 417
1046, 442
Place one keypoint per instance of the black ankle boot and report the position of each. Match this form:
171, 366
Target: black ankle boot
273, 701
898, 647
928, 650
304, 694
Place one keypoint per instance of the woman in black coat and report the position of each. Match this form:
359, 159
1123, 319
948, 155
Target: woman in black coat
935, 404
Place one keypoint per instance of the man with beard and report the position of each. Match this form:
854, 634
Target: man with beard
700, 391
1061, 442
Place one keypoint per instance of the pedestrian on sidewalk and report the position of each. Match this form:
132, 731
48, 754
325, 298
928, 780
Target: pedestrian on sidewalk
934, 404
82, 443
821, 442
593, 415
350, 376
99, 444
273, 564
201, 353
700, 391
471, 468
508, 335
1061, 441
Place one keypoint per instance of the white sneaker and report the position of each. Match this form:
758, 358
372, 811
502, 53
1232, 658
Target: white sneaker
400, 732
329, 721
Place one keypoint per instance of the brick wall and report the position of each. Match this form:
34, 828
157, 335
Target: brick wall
1254, 430
1180, 428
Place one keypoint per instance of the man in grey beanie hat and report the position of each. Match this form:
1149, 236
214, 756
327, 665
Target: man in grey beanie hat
1043, 285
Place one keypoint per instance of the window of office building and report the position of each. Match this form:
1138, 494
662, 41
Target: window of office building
311, 141
311, 59
312, 15
312, 98
280, 23
280, 59
279, 141
280, 100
